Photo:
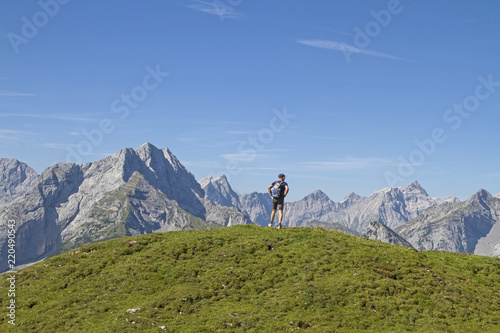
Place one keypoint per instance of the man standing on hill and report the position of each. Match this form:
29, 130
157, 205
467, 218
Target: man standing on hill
278, 190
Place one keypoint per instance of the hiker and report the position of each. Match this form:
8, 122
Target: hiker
278, 190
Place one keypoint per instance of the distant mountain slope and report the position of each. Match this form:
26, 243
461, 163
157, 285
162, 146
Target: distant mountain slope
315, 206
129, 193
390, 206
15, 179
449, 198
253, 279
257, 206
379, 231
470, 226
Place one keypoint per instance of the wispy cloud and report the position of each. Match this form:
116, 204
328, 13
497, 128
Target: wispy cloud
243, 157
54, 116
7, 134
324, 137
215, 7
6, 93
347, 49
52, 145
348, 164
251, 154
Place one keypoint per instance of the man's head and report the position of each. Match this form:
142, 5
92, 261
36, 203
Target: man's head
281, 176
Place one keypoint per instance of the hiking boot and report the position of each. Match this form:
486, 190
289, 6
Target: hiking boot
270, 225
279, 226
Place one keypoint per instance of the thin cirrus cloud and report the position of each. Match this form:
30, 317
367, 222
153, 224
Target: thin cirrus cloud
243, 157
215, 8
8, 134
55, 116
6, 93
347, 49
348, 164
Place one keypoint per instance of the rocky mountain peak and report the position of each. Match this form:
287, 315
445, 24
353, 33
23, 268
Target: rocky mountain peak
223, 179
148, 151
480, 196
155, 158
497, 195
220, 182
14, 171
205, 181
219, 192
351, 198
416, 187
16, 178
317, 195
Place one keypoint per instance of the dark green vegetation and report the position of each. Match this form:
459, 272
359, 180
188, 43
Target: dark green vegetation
333, 226
255, 279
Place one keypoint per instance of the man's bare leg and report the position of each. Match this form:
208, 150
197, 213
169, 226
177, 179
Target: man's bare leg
272, 217
280, 219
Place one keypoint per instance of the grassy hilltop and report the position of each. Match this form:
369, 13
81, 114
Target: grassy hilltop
255, 279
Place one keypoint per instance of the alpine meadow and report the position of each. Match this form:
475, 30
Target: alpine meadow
254, 279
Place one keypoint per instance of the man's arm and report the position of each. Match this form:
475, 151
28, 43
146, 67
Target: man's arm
286, 191
269, 189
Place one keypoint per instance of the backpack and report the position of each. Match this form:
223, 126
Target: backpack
276, 190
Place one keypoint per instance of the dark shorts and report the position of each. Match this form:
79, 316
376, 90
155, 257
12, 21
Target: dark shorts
278, 203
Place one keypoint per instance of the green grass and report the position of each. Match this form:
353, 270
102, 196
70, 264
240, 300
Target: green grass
255, 279
333, 226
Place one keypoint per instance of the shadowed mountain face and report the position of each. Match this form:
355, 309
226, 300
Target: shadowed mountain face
471, 226
131, 192
379, 231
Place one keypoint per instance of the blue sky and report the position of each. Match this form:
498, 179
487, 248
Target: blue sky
343, 96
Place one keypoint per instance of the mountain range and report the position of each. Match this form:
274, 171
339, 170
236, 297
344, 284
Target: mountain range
148, 190
129, 193
404, 216
393, 206
471, 226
